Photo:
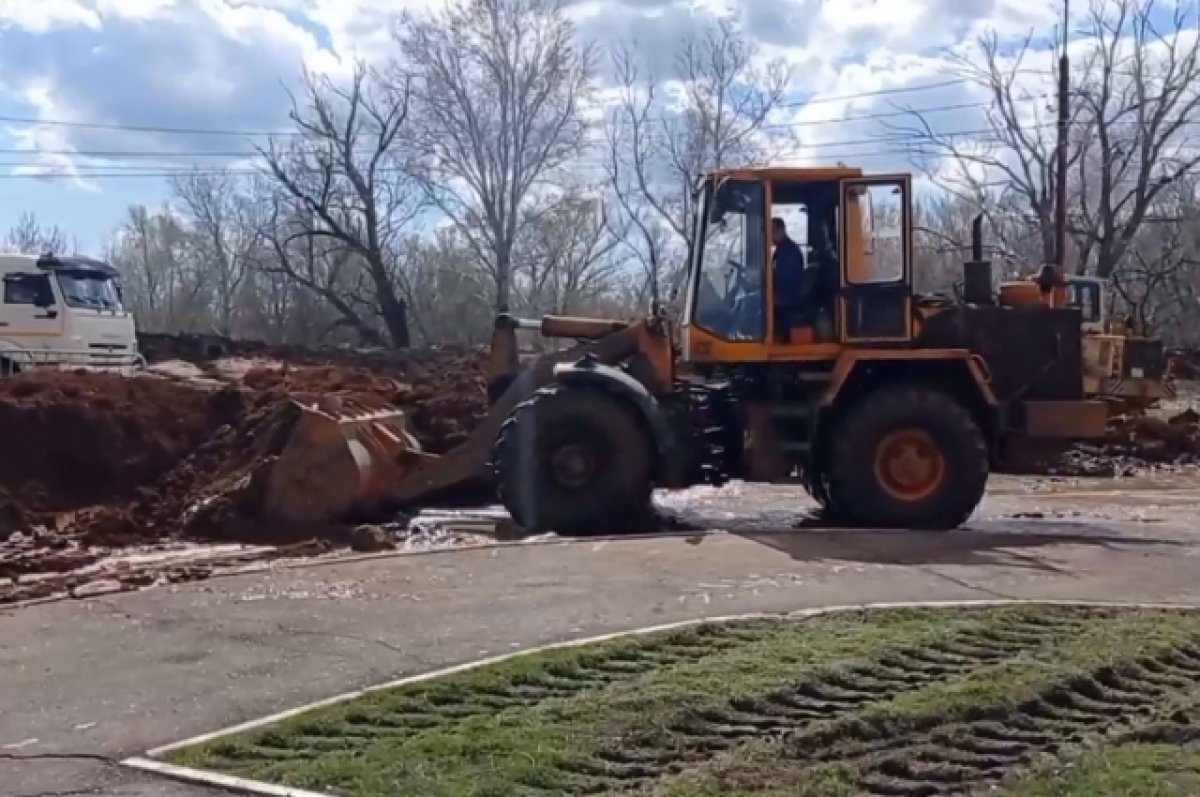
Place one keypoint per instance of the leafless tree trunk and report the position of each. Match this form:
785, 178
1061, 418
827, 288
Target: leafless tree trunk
226, 235
317, 264
655, 152
1141, 97
571, 251
499, 88
1136, 92
29, 237
349, 171
1157, 284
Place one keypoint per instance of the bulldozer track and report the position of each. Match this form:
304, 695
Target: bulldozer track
945, 757
829, 696
434, 709
966, 708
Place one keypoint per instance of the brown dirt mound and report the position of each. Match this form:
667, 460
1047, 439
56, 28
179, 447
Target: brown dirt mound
1132, 445
444, 397
13, 516
166, 510
74, 439
207, 495
93, 463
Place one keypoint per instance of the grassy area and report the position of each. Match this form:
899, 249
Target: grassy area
897, 702
1129, 770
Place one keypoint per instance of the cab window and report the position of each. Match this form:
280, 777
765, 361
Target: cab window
880, 208
29, 289
1085, 296
729, 279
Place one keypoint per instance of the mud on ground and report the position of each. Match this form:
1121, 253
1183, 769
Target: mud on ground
97, 463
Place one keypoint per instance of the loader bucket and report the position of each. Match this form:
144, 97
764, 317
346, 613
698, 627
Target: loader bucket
339, 460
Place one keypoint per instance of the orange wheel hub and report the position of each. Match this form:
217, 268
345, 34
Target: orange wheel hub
909, 466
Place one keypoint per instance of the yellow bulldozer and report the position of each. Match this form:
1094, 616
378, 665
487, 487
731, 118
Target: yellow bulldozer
1122, 365
889, 407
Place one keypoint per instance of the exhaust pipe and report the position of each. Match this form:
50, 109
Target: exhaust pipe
977, 272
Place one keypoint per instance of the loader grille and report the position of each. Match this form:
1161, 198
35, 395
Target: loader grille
1147, 355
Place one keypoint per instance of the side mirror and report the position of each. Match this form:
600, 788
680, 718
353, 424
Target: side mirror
726, 199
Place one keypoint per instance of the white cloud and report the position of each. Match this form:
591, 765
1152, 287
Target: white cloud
222, 64
43, 16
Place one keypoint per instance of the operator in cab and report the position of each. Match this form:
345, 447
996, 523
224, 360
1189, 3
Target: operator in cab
793, 283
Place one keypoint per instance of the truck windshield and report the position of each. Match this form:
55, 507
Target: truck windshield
90, 289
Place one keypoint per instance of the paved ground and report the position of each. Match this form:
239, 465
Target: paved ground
84, 683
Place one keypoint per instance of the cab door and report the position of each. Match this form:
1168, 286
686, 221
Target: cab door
30, 312
875, 301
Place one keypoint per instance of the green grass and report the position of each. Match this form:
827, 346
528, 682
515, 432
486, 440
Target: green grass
1129, 770
765, 708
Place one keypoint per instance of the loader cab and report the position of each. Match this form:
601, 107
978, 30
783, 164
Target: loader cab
1088, 294
748, 301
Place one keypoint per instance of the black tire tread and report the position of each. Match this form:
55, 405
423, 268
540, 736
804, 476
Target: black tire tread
853, 495
600, 513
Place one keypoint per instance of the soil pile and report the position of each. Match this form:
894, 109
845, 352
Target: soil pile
208, 495
443, 394
1136, 444
181, 504
74, 439
97, 463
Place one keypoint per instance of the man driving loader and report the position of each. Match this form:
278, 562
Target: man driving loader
794, 284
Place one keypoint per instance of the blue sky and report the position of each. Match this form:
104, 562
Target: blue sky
221, 65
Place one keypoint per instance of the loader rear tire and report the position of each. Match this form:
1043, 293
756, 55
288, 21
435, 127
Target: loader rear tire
574, 461
907, 457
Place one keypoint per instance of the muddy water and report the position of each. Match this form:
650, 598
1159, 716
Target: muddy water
1167, 498
1162, 507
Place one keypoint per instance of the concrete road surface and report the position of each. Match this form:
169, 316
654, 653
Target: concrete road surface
85, 683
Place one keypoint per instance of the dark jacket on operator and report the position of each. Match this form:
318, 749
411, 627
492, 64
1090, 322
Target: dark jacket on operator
789, 270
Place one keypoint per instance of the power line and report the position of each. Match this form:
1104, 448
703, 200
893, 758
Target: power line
893, 114
153, 172
889, 138
200, 131
906, 89
124, 128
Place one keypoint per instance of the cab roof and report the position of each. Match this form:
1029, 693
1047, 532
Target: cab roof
19, 262
786, 173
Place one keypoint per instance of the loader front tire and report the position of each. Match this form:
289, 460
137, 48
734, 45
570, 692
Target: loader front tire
907, 457
574, 461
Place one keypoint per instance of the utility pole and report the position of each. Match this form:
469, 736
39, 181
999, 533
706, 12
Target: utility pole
1064, 118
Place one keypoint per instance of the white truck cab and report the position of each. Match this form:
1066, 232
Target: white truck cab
63, 311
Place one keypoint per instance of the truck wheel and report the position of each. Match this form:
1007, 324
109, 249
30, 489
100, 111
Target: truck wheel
574, 461
908, 458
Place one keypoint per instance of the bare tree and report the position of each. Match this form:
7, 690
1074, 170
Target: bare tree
321, 265
451, 294
656, 148
1159, 284
222, 220
1141, 94
1136, 94
162, 282
572, 252
28, 236
346, 177
500, 86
